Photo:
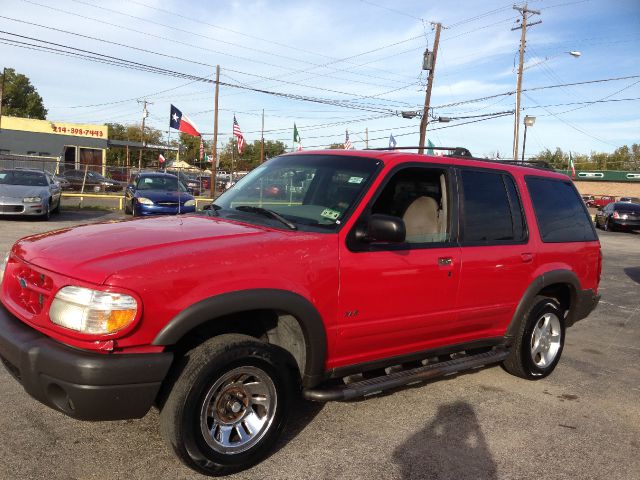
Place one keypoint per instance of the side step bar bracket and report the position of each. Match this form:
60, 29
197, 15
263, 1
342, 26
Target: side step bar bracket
402, 378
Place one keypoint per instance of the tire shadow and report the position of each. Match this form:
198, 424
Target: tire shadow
302, 414
633, 273
452, 447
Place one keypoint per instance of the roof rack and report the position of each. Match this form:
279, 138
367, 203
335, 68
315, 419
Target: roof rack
456, 151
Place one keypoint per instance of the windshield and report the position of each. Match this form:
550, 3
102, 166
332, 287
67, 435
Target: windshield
16, 177
166, 184
314, 191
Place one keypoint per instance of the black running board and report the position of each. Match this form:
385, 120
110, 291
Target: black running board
402, 378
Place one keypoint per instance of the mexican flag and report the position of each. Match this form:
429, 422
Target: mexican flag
296, 138
572, 166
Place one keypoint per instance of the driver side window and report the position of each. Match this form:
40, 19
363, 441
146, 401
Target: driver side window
419, 196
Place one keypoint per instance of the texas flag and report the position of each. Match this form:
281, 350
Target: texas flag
182, 122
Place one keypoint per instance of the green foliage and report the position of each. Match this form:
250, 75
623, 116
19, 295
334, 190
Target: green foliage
250, 157
622, 158
118, 156
19, 97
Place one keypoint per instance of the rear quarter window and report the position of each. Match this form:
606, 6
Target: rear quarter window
560, 212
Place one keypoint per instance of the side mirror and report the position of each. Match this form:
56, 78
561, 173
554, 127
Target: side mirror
207, 207
382, 229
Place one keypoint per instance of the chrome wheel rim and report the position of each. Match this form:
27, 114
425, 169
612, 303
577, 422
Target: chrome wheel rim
238, 410
545, 340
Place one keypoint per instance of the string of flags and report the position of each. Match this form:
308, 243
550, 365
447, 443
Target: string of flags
183, 123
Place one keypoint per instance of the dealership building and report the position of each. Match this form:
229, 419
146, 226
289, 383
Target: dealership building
69, 145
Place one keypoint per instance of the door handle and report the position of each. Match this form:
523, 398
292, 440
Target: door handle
526, 257
445, 261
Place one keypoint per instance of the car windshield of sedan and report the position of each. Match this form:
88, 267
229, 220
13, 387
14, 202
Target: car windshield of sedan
165, 184
313, 192
16, 177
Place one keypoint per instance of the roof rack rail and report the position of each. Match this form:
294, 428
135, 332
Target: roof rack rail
456, 151
464, 152
527, 163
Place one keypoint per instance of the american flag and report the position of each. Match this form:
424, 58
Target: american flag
347, 143
201, 149
238, 134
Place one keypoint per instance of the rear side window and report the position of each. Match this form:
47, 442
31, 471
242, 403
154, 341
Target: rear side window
492, 210
560, 212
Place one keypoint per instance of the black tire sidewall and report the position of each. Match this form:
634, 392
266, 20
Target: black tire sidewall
539, 309
262, 356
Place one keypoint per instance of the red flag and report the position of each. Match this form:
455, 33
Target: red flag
160, 158
181, 122
201, 149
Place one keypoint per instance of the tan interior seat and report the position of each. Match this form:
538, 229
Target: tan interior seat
421, 219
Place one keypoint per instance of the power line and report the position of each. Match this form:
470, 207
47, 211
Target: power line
76, 50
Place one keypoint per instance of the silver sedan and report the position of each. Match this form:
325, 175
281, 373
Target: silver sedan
28, 192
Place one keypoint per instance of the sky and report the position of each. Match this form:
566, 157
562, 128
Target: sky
334, 65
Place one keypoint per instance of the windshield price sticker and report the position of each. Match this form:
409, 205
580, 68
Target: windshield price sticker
331, 214
355, 179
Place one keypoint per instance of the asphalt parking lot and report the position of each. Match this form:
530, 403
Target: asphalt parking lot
582, 422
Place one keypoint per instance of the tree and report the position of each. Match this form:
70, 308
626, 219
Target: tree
336, 146
250, 157
19, 97
132, 133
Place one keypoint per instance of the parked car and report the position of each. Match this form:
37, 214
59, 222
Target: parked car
619, 215
388, 269
189, 181
157, 194
94, 182
63, 182
205, 182
604, 200
589, 200
28, 192
629, 199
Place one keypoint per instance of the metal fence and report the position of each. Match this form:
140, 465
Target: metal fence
49, 164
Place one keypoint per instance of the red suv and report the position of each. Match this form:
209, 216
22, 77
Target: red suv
370, 271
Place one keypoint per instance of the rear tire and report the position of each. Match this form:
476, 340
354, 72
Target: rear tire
228, 404
539, 341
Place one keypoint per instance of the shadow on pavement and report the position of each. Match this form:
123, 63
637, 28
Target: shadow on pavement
452, 446
633, 273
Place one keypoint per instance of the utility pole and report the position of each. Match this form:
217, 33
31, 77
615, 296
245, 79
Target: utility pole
525, 12
4, 75
262, 139
366, 138
214, 163
145, 114
429, 64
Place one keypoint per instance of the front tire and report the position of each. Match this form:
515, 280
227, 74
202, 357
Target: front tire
229, 404
46, 214
539, 342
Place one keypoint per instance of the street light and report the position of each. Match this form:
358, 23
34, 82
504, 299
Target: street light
528, 122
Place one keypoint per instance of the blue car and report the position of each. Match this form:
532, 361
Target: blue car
157, 194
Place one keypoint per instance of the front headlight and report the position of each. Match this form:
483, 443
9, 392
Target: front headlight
189, 203
144, 201
32, 199
92, 311
3, 266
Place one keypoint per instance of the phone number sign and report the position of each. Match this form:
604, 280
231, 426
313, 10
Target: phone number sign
78, 130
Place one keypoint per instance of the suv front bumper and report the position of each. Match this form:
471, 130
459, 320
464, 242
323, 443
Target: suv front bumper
83, 385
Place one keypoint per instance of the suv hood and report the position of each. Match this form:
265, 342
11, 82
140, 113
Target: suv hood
94, 252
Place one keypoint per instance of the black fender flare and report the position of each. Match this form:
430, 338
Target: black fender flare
548, 278
257, 299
